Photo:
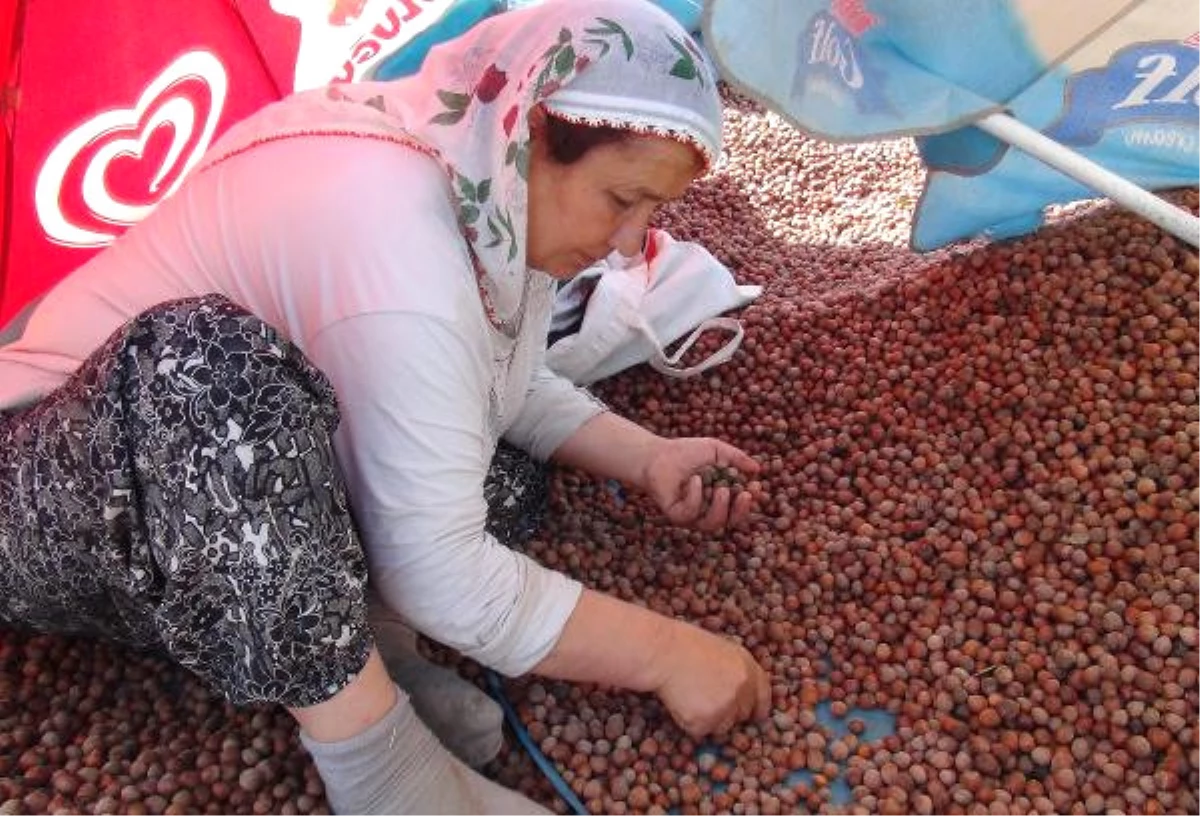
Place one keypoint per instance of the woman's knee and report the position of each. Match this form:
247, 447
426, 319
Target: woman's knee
227, 422
261, 576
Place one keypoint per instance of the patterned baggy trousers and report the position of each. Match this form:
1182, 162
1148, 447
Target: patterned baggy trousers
179, 493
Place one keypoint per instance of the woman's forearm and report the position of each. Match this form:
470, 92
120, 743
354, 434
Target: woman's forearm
708, 683
611, 642
609, 446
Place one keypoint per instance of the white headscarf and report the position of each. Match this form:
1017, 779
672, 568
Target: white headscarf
621, 63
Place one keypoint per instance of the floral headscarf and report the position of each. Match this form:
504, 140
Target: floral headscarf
621, 63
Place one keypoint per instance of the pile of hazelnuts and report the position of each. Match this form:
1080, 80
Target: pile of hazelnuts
976, 515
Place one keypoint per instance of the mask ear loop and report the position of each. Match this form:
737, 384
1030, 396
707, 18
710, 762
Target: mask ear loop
669, 365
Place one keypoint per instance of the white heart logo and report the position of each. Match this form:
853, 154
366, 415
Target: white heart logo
107, 129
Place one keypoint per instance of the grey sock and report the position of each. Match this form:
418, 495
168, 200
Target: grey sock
465, 719
398, 766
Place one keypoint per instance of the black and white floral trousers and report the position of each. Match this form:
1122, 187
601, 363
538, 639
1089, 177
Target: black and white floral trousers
179, 493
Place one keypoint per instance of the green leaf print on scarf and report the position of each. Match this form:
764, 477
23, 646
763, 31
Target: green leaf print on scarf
562, 60
685, 66
486, 89
472, 196
606, 30
518, 153
456, 107
494, 224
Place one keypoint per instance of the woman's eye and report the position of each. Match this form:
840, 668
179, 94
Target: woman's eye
621, 202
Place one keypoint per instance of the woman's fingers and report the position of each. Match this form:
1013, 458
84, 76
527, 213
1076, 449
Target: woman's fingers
685, 503
695, 453
714, 683
743, 503
718, 510
752, 702
727, 509
731, 456
762, 703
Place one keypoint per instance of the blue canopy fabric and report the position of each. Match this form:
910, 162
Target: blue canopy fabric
1113, 80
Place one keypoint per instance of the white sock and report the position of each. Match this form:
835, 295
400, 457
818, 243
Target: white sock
397, 765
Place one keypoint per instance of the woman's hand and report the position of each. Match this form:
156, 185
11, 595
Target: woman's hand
674, 479
707, 682
710, 683
669, 470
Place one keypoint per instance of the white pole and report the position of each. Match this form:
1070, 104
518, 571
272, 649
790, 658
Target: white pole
1174, 220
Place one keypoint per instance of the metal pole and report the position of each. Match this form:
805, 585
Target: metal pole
1174, 220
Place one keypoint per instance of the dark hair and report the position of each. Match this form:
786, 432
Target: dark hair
568, 142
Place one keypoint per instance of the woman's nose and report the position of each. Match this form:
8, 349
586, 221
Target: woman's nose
630, 236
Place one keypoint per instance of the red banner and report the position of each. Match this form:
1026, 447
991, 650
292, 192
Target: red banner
115, 100
107, 104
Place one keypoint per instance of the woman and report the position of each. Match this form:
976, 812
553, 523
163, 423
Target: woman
356, 284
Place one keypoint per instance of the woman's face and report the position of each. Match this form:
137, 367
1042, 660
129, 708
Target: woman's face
581, 212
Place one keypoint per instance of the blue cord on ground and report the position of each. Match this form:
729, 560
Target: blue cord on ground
496, 689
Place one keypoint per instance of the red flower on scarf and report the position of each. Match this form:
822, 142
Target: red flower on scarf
510, 119
491, 84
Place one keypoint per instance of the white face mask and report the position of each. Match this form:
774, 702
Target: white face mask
628, 310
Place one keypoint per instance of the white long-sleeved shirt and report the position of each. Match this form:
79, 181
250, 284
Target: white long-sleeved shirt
350, 248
